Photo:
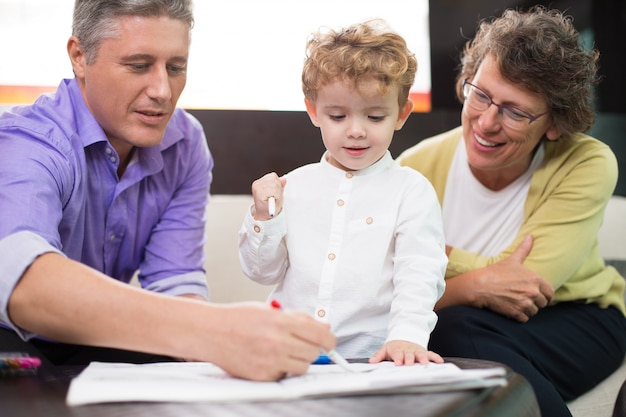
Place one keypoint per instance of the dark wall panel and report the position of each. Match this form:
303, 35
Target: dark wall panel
249, 144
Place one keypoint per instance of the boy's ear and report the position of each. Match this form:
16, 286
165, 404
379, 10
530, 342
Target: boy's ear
404, 114
311, 111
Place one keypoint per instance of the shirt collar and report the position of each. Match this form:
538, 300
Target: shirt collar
382, 164
87, 128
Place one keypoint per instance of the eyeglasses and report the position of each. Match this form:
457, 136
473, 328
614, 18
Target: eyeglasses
512, 117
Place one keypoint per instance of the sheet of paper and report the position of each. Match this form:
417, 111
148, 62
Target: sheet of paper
198, 381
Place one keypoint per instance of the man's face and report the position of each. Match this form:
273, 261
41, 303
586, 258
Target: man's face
134, 83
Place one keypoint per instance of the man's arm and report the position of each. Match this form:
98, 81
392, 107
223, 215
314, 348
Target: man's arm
70, 302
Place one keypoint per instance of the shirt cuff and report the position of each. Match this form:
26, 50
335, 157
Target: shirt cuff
258, 229
192, 283
17, 252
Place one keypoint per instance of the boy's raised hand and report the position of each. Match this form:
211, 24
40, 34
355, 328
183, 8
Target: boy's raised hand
269, 185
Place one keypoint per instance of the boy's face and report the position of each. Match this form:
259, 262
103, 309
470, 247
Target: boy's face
357, 126
134, 83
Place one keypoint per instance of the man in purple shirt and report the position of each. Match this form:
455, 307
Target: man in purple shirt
106, 177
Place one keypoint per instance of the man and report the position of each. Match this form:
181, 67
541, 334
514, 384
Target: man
106, 177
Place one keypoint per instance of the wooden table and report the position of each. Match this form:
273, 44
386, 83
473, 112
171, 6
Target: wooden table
43, 394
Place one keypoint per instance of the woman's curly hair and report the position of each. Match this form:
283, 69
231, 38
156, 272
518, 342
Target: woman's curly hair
541, 50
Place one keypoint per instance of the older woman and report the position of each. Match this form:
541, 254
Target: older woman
523, 192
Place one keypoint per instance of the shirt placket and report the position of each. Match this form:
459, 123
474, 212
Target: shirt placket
333, 253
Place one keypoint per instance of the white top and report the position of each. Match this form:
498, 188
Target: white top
478, 219
365, 252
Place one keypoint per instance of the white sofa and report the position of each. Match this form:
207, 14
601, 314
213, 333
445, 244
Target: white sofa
228, 283
600, 401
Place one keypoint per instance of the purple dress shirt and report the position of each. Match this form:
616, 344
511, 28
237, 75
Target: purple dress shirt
59, 192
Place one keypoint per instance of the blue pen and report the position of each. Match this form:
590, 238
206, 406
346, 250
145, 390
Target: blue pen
322, 360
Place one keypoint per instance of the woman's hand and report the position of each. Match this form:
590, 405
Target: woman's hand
506, 287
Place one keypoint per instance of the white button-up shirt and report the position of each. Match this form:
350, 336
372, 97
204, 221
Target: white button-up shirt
363, 251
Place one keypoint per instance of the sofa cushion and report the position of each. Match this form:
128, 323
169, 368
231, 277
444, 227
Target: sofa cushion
600, 401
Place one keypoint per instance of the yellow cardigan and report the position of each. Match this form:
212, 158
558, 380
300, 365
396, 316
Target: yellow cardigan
563, 212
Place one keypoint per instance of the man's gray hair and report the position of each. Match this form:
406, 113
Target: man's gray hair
95, 20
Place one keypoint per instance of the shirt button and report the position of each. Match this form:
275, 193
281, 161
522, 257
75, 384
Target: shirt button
109, 151
321, 313
331, 256
112, 237
369, 220
340, 202
257, 228
349, 175
112, 159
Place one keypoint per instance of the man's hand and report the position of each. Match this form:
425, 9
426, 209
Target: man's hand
257, 342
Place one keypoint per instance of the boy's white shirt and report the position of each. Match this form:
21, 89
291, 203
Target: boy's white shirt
365, 252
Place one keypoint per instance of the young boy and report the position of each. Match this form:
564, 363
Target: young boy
357, 241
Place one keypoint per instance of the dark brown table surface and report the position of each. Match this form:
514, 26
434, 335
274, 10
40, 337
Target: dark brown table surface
43, 394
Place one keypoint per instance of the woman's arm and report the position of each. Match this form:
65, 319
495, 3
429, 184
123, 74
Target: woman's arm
506, 287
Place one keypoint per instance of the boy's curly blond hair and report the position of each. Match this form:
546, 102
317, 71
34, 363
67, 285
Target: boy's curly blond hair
356, 54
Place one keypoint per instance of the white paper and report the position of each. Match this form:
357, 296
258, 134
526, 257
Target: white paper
204, 382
